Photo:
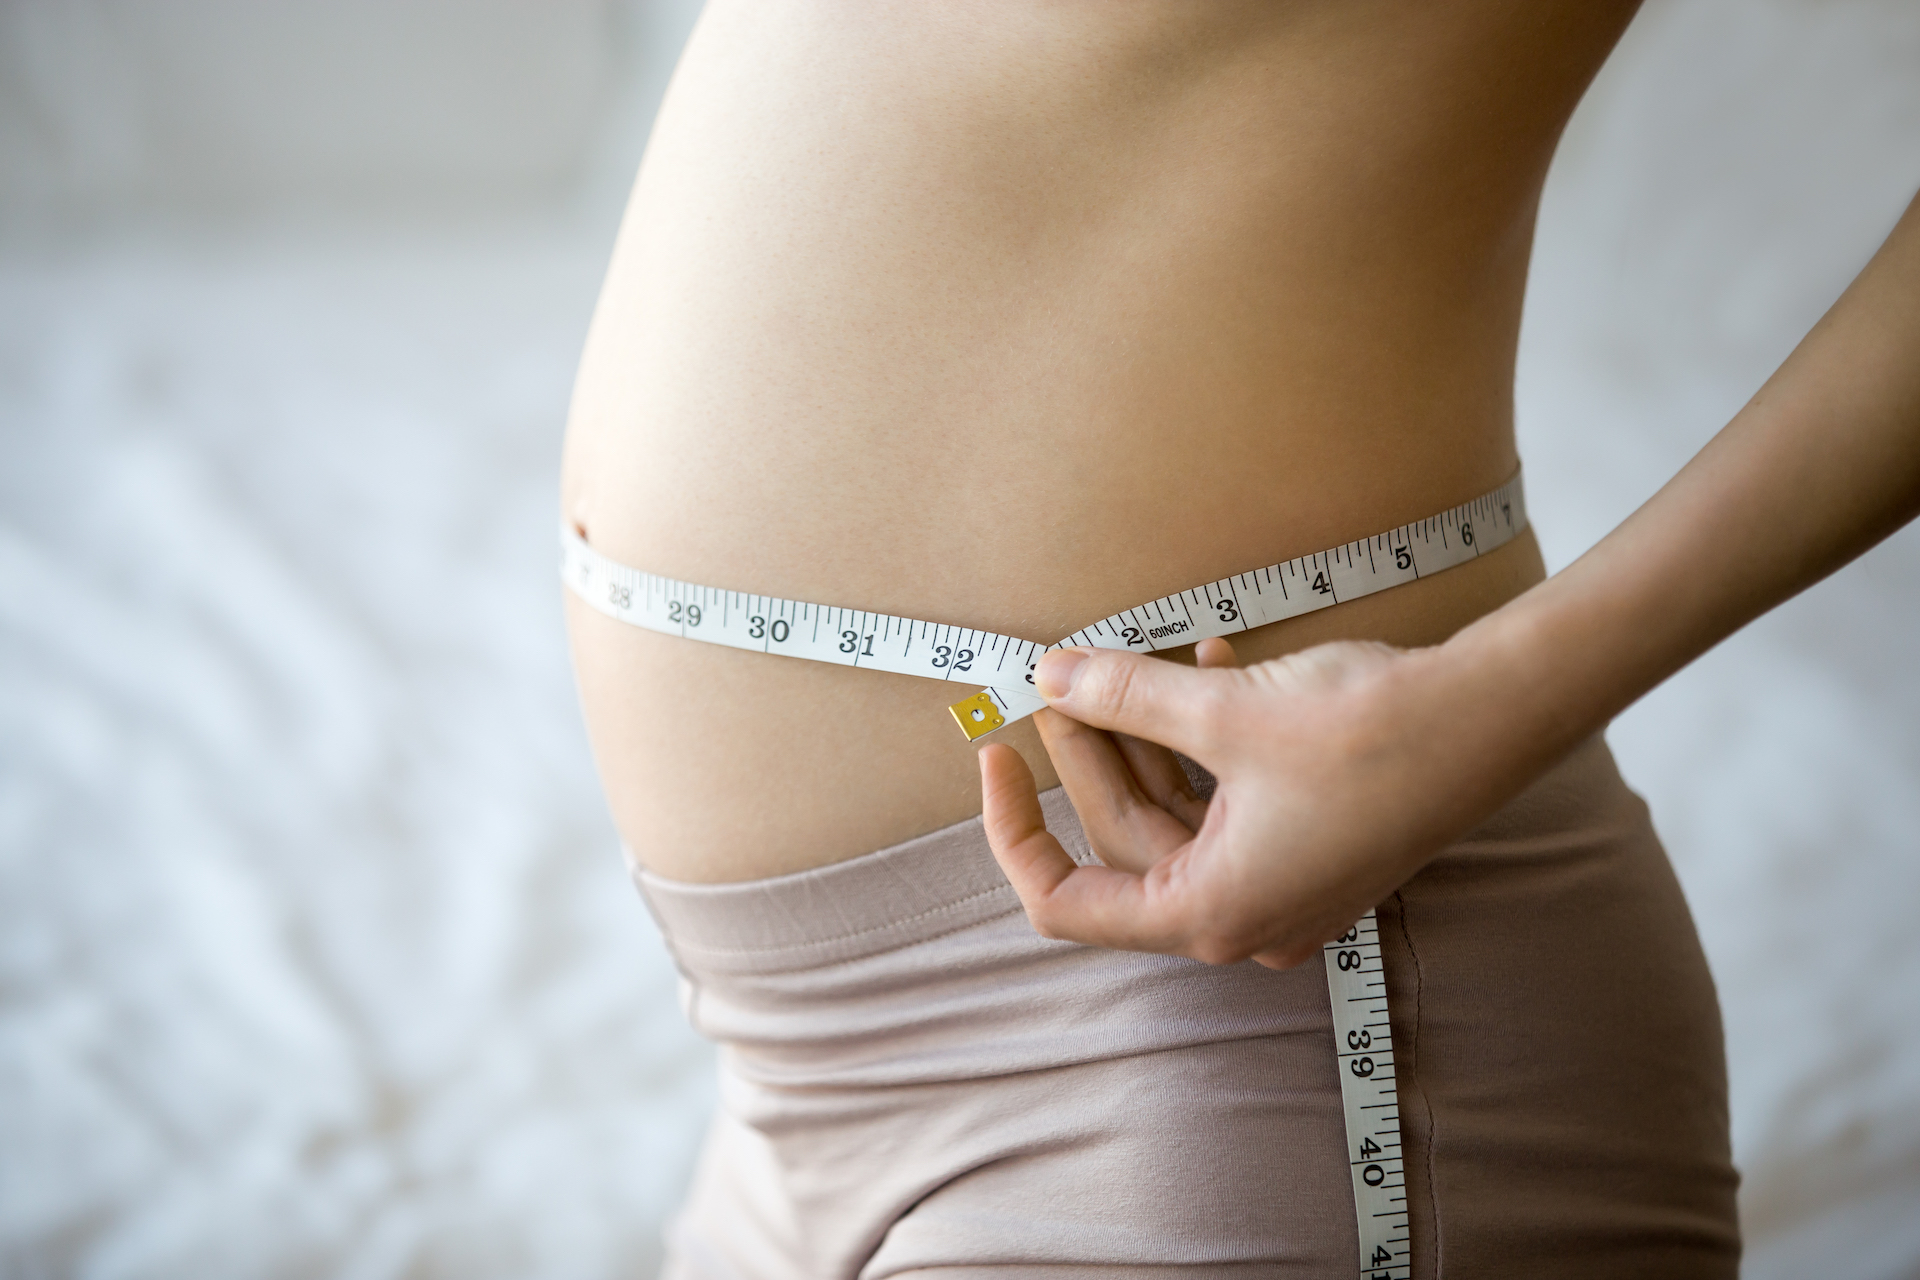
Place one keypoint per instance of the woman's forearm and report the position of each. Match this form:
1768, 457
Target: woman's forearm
1820, 465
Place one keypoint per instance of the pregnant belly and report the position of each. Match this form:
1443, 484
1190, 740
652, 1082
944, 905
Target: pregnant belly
882, 332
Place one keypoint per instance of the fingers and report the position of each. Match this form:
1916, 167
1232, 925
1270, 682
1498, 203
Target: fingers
1133, 694
1159, 775
1097, 906
1213, 653
1094, 905
1158, 769
1016, 829
1124, 823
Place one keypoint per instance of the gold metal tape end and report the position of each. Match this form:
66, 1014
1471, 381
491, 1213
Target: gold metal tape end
977, 716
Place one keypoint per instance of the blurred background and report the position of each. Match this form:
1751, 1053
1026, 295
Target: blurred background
317, 957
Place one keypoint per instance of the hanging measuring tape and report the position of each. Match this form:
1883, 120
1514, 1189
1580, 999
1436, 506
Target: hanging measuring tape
1363, 1048
1356, 978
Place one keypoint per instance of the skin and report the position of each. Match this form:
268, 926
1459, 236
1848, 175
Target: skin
1013, 315
1343, 769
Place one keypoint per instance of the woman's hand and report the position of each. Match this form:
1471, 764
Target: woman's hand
1343, 769
1340, 773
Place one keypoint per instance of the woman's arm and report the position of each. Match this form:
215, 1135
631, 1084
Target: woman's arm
1344, 769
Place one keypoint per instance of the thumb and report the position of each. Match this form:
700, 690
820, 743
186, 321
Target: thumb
1133, 694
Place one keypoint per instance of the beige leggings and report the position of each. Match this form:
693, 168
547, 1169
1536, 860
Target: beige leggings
913, 1083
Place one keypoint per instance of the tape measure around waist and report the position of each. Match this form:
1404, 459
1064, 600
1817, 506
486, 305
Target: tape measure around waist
1004, 664
1356, 974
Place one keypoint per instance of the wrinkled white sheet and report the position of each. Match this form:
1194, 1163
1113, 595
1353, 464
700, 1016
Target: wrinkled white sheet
316, 954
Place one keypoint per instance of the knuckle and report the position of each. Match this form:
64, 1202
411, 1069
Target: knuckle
1214, 710
1218, 946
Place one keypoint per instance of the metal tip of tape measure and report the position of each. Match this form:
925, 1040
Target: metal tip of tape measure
977, 716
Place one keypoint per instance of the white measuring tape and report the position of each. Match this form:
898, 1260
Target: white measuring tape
1363, 1048
1356, 979
942, 651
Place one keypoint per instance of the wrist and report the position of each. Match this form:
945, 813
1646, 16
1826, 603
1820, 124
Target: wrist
1515, 687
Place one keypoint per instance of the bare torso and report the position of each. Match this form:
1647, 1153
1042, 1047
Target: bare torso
1013, 315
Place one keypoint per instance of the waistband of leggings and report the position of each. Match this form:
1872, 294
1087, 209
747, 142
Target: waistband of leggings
947, 880
937, 883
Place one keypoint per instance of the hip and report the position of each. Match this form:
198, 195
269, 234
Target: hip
911, 1075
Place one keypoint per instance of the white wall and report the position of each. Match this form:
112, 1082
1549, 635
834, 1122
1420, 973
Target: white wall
315, 954
1735, 165
229, 109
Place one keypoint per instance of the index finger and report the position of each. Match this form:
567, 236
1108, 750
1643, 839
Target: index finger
1094, 905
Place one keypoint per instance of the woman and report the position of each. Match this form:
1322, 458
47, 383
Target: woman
1013, 316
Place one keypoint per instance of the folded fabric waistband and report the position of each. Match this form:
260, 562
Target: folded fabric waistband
947, 880
929, 885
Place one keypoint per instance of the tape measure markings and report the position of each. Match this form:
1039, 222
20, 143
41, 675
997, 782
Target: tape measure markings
1363, 1054
1004, 664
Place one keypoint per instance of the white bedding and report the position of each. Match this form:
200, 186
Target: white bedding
316, 952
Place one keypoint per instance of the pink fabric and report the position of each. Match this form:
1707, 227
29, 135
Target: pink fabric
914, 1082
